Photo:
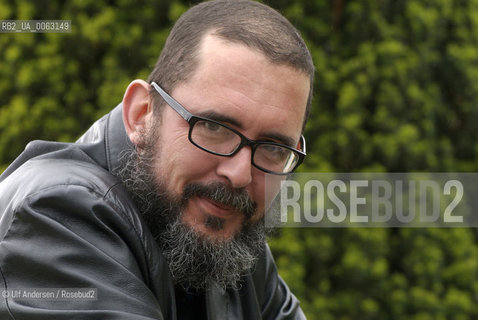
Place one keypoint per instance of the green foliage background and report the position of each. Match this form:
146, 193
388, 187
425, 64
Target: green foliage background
396, 90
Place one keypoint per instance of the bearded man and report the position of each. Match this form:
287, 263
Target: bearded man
157, 211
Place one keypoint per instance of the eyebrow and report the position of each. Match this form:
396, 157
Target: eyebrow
220, 118
288, 141
283, 139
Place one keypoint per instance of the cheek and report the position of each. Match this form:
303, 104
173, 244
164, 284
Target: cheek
177, 161
271, 188
183, 163
263, 190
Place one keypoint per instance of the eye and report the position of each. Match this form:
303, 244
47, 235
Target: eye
212, 130
275, 152
213, 127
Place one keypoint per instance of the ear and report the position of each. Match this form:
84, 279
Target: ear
137, 108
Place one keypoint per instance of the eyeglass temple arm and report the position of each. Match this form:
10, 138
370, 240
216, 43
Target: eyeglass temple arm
302, 142
173, 103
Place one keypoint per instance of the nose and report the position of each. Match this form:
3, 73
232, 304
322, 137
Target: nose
237, 169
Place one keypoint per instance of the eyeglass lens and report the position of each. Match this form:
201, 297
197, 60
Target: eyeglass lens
219, 139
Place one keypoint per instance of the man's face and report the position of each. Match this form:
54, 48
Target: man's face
241, 88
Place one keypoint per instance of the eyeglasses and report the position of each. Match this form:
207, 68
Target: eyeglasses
219, 139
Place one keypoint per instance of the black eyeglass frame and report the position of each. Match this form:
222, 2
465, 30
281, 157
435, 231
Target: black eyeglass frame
192, 119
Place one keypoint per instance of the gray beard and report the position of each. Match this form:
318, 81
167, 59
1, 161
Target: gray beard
195, 260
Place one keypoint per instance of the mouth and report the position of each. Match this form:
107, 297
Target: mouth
216, 209
219, 200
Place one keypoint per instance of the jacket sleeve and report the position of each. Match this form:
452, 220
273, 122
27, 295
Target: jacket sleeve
70, 237
277, 301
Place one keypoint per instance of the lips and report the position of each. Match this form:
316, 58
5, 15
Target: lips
220, 199
216, 208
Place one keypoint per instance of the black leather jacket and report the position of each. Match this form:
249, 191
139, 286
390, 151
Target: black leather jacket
67, 222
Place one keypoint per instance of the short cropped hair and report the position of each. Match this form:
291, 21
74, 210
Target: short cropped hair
246, 22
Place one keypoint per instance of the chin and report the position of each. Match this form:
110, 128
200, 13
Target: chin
215, 231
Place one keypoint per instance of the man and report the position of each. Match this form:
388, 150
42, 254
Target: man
158, 209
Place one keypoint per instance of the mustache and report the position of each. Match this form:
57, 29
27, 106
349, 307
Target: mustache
237, 199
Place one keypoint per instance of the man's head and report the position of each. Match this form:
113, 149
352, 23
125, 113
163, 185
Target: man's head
207, 210
245, 22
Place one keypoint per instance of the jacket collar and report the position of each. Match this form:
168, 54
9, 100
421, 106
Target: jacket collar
106, 140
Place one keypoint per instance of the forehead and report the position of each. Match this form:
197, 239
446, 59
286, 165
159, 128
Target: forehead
242, 83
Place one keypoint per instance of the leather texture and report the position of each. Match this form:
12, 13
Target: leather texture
67, 222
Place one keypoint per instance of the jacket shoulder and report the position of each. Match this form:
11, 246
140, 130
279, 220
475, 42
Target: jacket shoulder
69, 223
67, 182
